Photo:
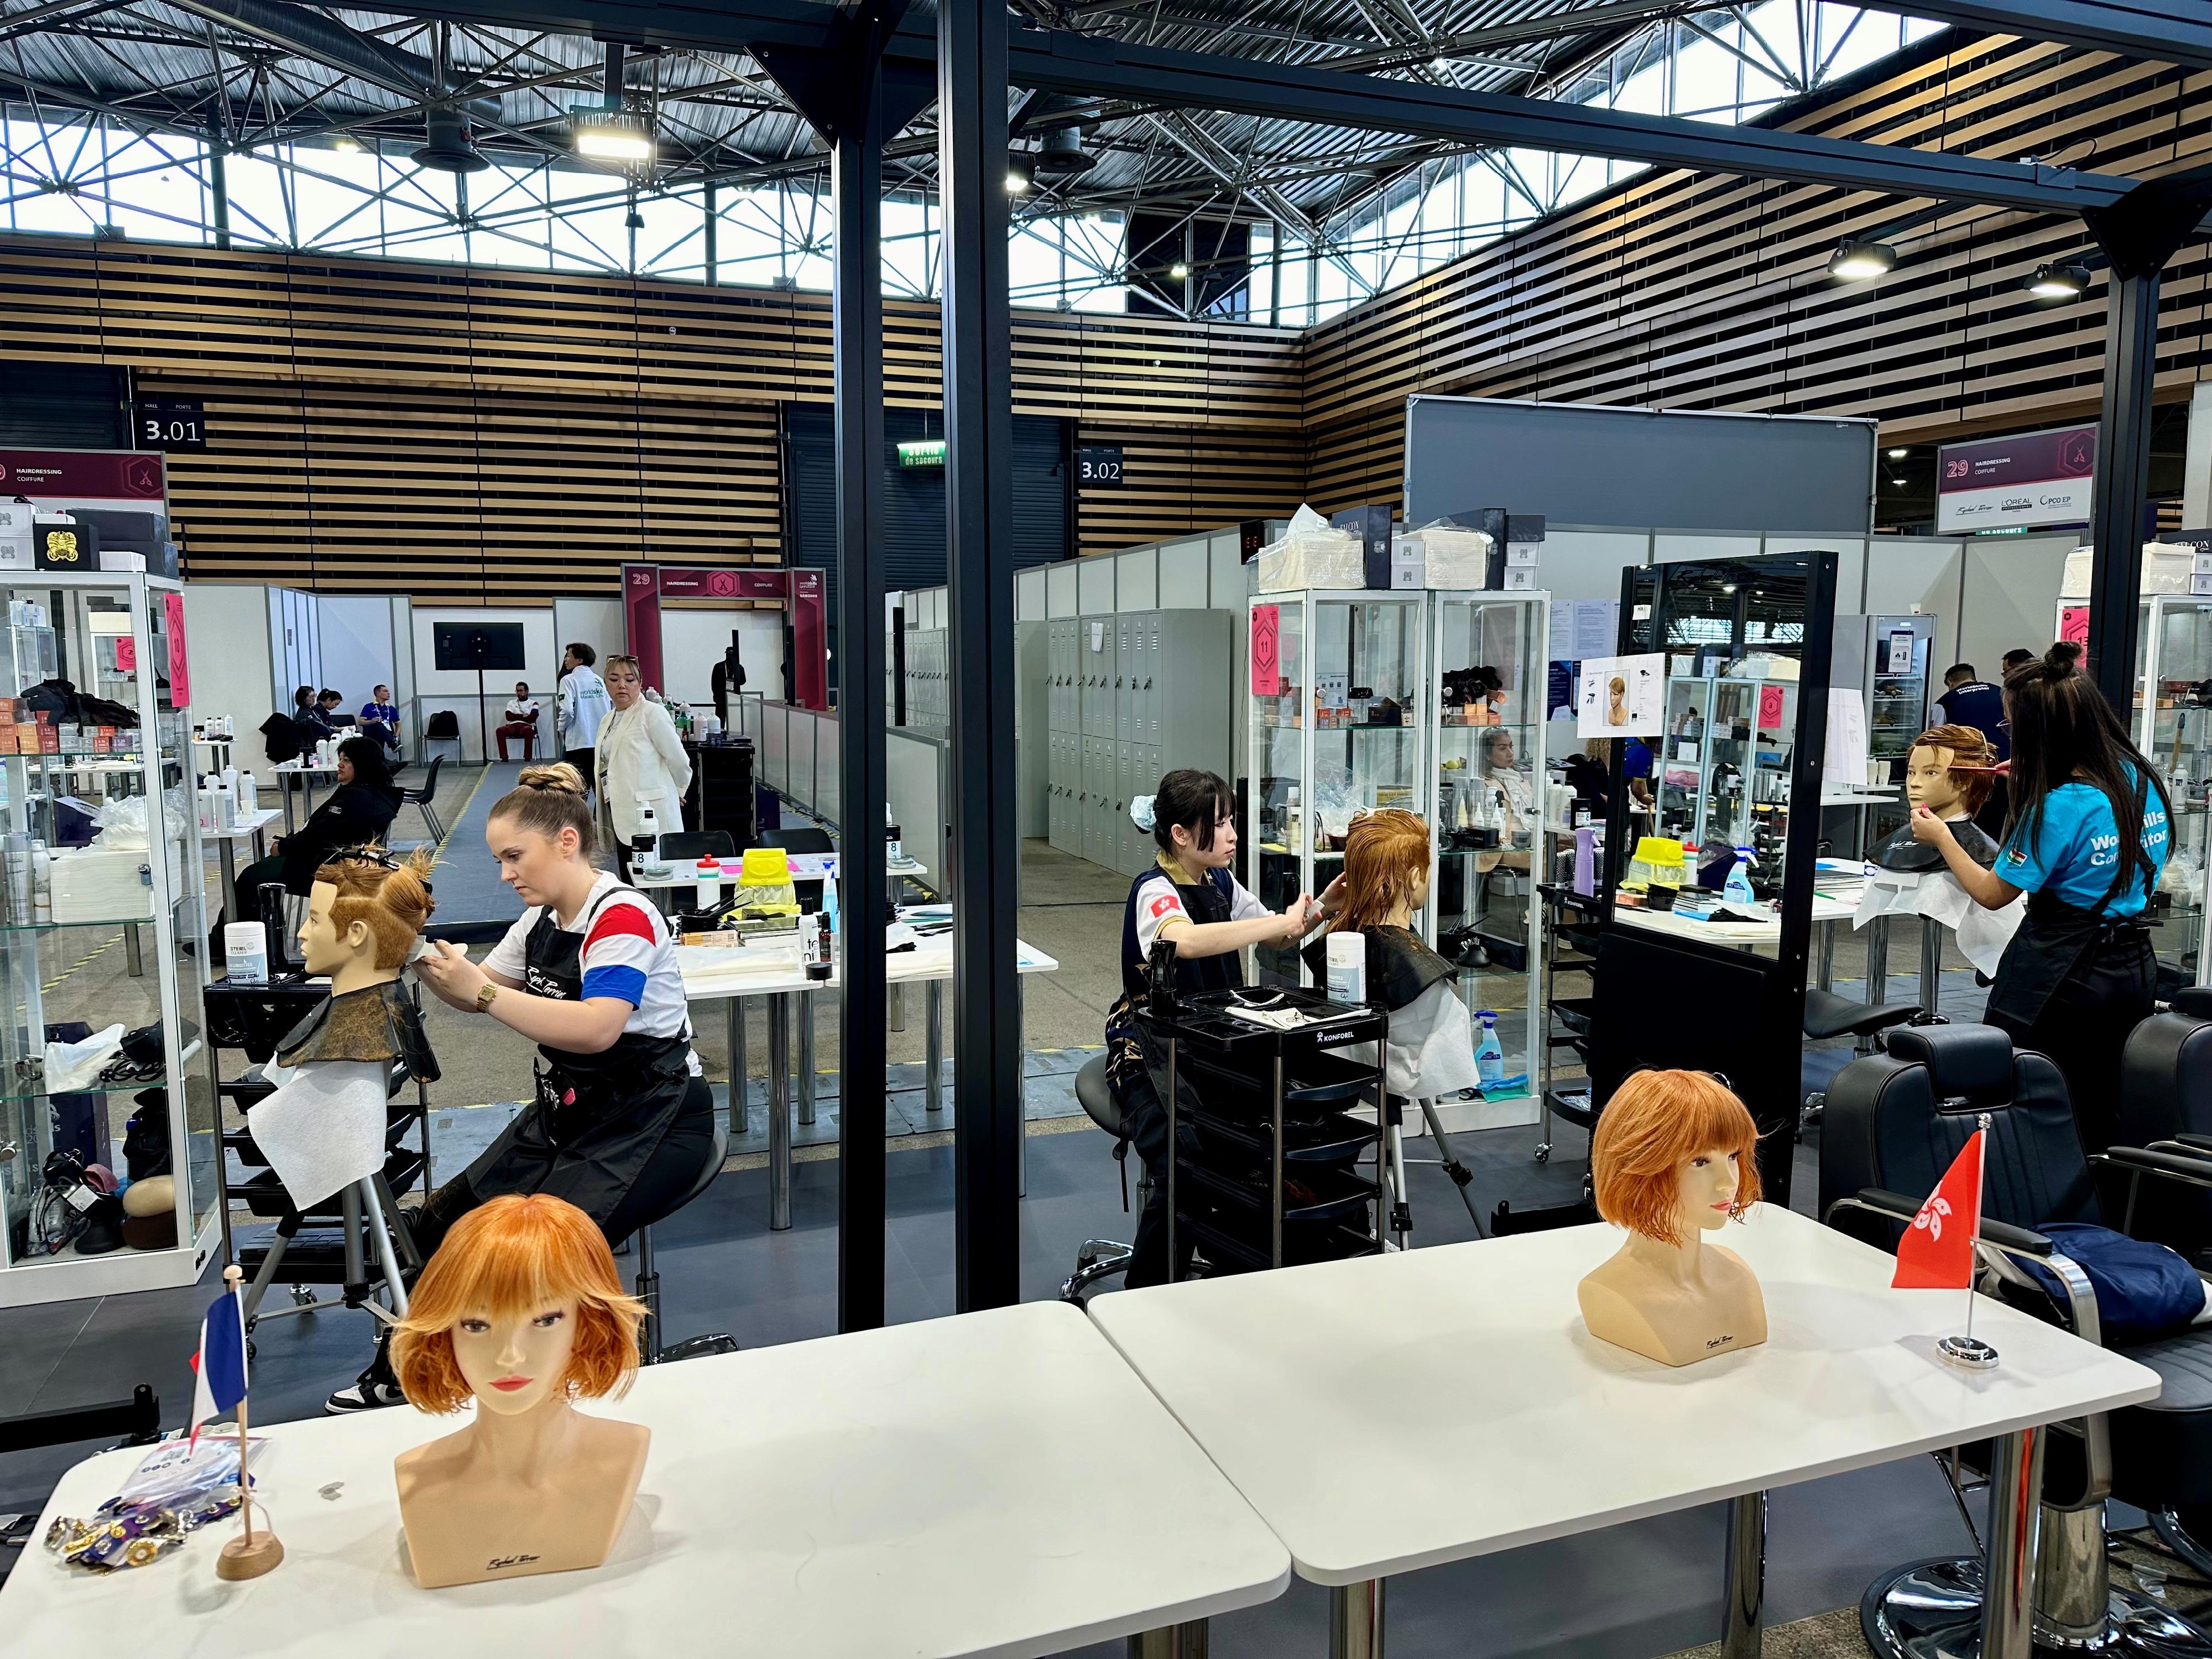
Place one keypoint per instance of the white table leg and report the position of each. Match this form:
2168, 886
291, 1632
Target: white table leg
1355, 1621
740, 1107
1745, 1578
779, 1113
933, 1059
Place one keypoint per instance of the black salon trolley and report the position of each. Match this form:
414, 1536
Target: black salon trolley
1264, 1171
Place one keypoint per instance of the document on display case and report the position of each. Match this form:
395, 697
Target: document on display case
1620, 696
1845, 763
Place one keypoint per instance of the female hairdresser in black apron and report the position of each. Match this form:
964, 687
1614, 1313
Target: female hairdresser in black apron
2088, 837
620, 1120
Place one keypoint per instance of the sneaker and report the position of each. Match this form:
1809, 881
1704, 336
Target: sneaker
365, 1395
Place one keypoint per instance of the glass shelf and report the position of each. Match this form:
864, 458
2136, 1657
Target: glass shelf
192, 1051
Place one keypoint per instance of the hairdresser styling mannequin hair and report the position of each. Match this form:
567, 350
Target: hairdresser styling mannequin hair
1187, 898
619, 1118
2088, 834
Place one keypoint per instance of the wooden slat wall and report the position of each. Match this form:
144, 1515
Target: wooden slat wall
1686, 291
464, 433
379, 425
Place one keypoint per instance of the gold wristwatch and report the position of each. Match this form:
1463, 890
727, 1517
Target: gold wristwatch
485, 992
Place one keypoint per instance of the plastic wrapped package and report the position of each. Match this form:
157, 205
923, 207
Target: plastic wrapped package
1456, 557
1311, 554
2167, 569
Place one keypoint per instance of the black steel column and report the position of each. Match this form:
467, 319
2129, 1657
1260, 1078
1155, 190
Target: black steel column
986, 850
2123, 484
856, 181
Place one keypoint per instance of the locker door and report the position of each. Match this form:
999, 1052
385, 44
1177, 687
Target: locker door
1149, 734
1125, 787
1090, 799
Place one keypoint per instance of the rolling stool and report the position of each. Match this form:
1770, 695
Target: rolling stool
1101, 1258
650, 1351
1827, 1015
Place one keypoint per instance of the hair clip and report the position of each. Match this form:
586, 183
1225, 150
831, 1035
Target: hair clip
365, 854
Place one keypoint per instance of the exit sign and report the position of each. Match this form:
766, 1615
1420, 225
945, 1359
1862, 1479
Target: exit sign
921, 451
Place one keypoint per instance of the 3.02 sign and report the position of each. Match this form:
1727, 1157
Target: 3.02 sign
1098, 466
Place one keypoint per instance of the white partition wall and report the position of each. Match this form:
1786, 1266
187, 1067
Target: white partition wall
226, 640
449, 690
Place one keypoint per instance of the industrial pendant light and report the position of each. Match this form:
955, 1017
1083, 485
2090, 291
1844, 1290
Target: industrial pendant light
1063, 153
1862, 262
2059, 282
611, 132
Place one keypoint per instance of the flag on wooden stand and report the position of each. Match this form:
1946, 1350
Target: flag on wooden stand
220, 1366
1937, 1250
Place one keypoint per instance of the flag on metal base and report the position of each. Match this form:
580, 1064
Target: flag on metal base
1939, 1249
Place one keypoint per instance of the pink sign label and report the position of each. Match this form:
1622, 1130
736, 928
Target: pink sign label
1267, 635
181, 672
1770, 709
2074, 624
126, 654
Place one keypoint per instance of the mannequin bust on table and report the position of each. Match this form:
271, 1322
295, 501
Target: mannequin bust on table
1673, 1159
1934, 778
521, 1309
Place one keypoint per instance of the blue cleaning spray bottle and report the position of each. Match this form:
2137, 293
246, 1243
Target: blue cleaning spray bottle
1736, 889
1489, 1057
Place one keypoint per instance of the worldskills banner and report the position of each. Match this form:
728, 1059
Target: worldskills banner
800, 591
2040, 479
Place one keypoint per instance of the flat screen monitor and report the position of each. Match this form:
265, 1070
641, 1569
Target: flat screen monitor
474, 647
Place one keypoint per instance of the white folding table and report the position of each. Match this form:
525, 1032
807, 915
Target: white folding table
770, 968
1286, 1378
998, 1483
285, 772
250, 828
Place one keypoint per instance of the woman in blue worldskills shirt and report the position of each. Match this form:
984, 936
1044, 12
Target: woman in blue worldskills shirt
2088, 834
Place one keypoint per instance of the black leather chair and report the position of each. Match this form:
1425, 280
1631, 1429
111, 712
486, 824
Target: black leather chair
2165, 1105
650, 1349
1895, 1122
1101, 1258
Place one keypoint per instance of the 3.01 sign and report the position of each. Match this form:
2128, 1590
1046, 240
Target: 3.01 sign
173, 425
1098, 466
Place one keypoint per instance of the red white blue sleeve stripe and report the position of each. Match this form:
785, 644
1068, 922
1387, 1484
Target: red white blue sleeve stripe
618, 953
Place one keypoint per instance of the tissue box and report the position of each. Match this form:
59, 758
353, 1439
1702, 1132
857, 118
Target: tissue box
1456, 557
100, 883
1313, 558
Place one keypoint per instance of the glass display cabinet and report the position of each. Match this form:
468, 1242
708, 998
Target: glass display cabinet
1721, 774
1494, 821
1899, 670
2175, 728
99, 931
1337, 687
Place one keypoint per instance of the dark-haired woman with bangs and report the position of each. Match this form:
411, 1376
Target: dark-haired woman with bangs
1190, 898
2088, 833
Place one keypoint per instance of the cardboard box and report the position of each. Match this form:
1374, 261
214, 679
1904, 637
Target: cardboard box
50, 739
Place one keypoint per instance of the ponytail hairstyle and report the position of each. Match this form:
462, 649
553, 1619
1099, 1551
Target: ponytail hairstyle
393, 897
1385, 852
2064, 732
549, 799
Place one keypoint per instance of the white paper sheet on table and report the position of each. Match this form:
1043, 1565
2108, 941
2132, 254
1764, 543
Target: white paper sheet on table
1982, 934
324, 1127
1845, 761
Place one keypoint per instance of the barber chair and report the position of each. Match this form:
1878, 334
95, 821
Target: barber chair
1101, 1258
1895, 1122
650, 1350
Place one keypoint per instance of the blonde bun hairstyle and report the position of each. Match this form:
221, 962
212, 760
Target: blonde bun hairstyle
549, 799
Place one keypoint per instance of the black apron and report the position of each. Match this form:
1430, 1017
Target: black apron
598, 1119
2058, 941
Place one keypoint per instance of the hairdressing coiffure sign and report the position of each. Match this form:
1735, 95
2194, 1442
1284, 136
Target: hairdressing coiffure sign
55, 481
2038, 479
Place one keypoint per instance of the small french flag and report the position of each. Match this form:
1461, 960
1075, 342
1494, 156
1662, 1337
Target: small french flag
221, 1362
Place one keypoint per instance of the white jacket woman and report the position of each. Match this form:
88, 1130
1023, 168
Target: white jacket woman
641, 760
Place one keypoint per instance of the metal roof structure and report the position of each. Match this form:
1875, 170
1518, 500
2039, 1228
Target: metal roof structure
277, 79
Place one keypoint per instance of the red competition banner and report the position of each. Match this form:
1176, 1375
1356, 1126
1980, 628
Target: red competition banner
126, 654
181, 672
1267, 636
2074, 624
641, 618
1770, 708
117, 475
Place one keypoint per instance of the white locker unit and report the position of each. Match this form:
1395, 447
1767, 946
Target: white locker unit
1131, 695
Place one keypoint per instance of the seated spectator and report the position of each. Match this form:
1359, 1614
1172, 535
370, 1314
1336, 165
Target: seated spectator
379, 720
520, 721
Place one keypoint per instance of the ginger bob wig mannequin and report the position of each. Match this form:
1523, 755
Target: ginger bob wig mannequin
1674, 1157
521, 1311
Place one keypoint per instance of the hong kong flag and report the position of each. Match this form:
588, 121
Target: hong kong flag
1937, 1250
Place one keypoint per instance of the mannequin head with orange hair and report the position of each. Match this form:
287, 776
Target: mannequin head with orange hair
1386, 865
520, 1307
1674, 1152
